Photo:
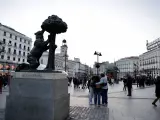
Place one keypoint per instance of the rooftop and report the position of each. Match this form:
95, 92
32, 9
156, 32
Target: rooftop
13, 30
131, 57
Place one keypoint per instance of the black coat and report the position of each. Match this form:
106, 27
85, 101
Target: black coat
157, 90
129, 82
95, 79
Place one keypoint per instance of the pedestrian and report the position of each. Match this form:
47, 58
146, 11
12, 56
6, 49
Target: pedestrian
129, 85
1, 83
96, 90
124, 83
75, 82
5, 80
91, 93
104, 85
112, 81
157, 91
138, 79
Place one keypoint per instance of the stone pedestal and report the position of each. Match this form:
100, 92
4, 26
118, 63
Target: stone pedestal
38, 96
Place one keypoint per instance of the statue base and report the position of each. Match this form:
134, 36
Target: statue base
38, 96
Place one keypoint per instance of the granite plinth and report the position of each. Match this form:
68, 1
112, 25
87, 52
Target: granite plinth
38, 96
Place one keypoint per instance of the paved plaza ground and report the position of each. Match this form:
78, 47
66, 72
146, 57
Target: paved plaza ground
121, 107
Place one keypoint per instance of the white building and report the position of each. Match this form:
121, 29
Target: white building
127, 65
150, 60
81, 70
16, 47
71, 68
58, 60
74, 68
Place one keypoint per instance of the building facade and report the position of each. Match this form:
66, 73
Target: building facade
74, 68
128, 65
149, 61
102, 68
16, 46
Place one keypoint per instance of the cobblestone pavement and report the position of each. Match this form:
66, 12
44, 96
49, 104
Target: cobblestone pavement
81, 113
121, 107
1, 114
88, 113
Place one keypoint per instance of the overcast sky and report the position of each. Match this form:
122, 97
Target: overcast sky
116, 28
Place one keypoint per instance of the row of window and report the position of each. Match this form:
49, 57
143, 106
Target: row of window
9, 51
11, 36
143, 64
14, 59
151, 61
15, 45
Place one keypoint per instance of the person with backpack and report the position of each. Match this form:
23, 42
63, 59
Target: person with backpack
157, 91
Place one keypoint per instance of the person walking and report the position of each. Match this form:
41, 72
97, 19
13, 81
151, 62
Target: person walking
104, 85
112, 81
129, 85
157, 91
124, 83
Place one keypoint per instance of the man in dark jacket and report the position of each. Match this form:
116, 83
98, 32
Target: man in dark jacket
96, 90
157, 91
129, 85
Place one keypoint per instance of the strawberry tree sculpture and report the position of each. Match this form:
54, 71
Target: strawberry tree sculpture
54, 25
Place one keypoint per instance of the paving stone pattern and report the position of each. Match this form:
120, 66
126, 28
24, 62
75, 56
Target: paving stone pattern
81, 113
89, 113
1, 114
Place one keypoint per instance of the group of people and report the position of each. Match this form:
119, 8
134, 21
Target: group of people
4, 81
98, 88
141, 82
144, 80
79, 81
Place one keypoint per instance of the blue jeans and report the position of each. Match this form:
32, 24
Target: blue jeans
104, 96
90, 94
97, 96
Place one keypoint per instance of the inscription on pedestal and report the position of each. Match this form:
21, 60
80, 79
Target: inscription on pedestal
40, 75
32, 75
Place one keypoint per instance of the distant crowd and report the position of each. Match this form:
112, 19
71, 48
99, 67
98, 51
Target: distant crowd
98, 86
4, 81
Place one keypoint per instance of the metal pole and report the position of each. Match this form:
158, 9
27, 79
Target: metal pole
97, 62
97, 58
65, 61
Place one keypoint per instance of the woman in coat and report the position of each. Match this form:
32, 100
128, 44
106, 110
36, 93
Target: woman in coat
157, 91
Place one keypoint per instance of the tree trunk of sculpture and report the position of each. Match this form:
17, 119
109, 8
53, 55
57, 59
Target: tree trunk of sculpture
51, 56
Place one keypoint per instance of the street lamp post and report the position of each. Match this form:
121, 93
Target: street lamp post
65, 60
65, 55
97, 65
136, 69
